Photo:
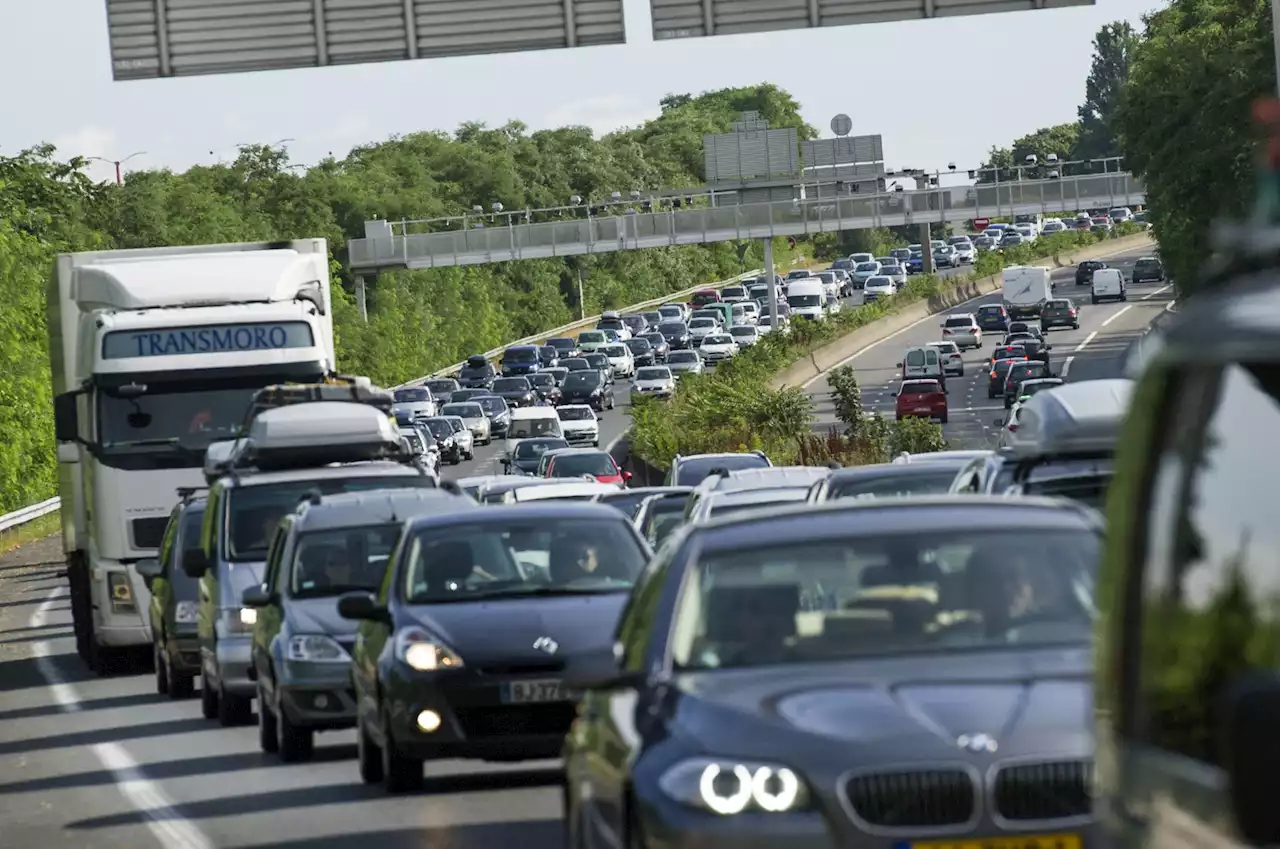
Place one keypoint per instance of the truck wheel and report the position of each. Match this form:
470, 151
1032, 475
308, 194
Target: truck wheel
208, 698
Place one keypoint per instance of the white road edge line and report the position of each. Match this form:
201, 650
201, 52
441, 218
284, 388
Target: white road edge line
170, 828
1116, 315
1066, 367
1086, 341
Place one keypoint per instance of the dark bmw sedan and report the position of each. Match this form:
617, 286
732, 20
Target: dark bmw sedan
641, 351
516, 390
881, 674
465, 649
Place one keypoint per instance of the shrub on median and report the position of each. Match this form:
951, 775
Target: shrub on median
736, 408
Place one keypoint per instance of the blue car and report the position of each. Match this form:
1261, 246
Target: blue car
915, 264
993, 317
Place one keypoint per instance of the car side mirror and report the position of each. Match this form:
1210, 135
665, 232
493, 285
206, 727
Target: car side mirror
1251, 750
149, 570
361, 607
626, 476
195, 563
256, 597
897, 365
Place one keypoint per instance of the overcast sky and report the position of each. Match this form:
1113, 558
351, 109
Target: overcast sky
938, 91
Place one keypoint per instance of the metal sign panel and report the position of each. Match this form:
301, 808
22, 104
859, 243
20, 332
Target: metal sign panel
842, 151
698, 18
733, 157
166, 38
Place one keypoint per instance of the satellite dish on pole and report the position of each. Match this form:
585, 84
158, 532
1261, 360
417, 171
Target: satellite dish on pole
841, 124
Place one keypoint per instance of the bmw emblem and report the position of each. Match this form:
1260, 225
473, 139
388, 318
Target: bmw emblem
977, 743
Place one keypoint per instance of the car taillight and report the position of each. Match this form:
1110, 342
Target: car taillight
1013, 427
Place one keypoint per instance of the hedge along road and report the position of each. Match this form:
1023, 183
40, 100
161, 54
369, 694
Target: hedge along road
1094, 351
614, 424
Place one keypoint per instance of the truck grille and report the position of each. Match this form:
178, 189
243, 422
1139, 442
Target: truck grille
1044, 791
918, 799
147, 533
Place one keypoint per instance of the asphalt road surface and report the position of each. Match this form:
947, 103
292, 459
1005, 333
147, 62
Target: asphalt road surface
1094, 351
105, 763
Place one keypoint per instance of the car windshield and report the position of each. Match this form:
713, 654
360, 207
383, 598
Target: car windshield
529, 449
575, 414
591, 336
656, 373
440, 386
742, 331
439, 428
576, 364
561, 343
932, 482
702, 322
333, 562
597, 360
542, 379
470, 410
868, 266
520, 355
614, 351
524, 428
582, 380
597, 463
492, 406
639, 345
254, 511
804, 300
511, 384
876, 596
507, 558
412, 396
683, 357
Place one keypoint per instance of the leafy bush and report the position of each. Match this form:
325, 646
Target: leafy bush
701, 417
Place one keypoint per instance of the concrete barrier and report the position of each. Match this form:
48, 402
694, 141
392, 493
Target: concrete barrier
833, 353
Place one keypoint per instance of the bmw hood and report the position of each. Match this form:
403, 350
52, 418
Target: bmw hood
319, 616
1034, 701
503, 631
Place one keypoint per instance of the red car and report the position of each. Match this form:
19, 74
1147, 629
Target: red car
922, 398
702, 297
586, 463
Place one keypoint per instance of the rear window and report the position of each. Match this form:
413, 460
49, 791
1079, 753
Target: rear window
991, 310
1147, 263
959, 322
912, 386
915, 358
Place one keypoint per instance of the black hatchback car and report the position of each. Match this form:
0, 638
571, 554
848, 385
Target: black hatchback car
587, 387
1084, 271
1059, 312
477, 373
641, 351
1148, 268
517, 391
464, 650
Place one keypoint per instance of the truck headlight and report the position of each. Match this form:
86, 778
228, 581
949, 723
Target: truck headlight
727, 786
121, 593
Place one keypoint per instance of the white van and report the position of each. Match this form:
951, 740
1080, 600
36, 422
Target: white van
807, 298
530, 422
1108, 284
922, 362
1026, 289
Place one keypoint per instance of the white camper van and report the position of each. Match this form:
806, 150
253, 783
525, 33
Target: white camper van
1026, 289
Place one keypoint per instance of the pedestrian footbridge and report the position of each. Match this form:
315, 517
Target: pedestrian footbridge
397, 245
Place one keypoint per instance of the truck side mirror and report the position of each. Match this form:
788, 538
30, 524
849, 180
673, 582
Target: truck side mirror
66, 425
195, 563
1251, 749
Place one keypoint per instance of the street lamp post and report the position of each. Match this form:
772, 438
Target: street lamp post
117, 163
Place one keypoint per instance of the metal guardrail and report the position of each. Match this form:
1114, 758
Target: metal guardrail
450, 371
17, 518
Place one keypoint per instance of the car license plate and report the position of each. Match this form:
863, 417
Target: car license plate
534, 692
924, 409
1026, 841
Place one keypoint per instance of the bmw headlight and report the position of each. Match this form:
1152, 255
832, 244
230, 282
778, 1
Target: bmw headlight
728, 787
423, 652
316, 648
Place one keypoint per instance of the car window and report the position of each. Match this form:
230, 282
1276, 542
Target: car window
963, 321
915, 357
333, 562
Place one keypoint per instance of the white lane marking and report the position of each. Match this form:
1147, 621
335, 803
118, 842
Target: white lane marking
1086, 341
1066, 367
1151, 295
1115, 315
173, 830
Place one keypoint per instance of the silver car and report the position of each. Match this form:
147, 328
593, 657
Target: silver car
895, 272
684, 362
654, 381
474, 417
863, 271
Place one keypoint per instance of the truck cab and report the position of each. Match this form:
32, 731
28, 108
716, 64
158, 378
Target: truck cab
155, 354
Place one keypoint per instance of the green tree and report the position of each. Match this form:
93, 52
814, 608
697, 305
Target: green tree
1113, 49
1184, 120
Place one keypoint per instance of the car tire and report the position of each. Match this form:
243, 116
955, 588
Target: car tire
293, 742
368, 756
1094, 301
162, 670
1075, 326
233, 710
181, 685
208, 698
944, 418
400, 773
268, 740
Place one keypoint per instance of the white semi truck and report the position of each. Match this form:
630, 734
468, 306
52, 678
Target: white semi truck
156, 353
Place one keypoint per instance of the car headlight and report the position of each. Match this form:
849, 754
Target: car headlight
316, 648
420, 651
186, 611
728, 787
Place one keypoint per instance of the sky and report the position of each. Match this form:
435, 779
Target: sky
915, 83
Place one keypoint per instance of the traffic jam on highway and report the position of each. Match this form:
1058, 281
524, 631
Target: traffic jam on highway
442, 612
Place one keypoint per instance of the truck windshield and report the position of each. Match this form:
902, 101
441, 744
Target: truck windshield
254, 511
187, 415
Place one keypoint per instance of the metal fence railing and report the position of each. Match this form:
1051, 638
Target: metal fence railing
17, 518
